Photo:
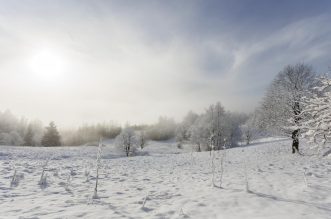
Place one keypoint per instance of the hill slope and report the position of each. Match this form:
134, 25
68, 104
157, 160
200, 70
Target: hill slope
280, 185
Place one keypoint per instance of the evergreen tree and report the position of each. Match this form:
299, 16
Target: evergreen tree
51, 136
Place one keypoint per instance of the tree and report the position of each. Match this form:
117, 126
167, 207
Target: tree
163, 130
126, 140
28, 137
317, 113
215, 115
37, 130
199, 133
182, 130
232, 133
250, 128
51, 136
212, 129
141, 139
282, 105
11, 138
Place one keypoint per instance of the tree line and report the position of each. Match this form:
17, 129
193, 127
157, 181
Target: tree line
296, 104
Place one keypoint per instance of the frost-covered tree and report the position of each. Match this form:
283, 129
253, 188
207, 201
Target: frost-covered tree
215, 115
141, 139
199, 134
127, 141
16, 131
232, 132
164, 129
183, 129
212, 129
90, 133
11, 138
316, 125
11, 129
8, 122
51, 136
28, 137
282, 105
250, 128
38, 131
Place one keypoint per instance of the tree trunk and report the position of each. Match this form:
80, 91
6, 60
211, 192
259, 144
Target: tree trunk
295, 143
295, 133
127, 151
248, 139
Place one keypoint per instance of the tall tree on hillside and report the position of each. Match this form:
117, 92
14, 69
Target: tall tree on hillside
282, 105
317, 114
51, 136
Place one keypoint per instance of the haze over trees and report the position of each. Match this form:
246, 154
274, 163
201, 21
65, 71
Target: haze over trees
51, 136
296, 104
212, 130
90, 133
19, 131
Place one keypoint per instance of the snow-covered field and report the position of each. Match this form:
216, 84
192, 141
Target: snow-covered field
165, 185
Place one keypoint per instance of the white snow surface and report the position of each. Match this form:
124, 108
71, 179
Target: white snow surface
166, 182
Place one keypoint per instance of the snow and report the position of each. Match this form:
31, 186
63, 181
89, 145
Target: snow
166, 183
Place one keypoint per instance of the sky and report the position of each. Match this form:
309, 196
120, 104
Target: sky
76, 62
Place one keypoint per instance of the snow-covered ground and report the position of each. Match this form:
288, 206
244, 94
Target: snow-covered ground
165, 185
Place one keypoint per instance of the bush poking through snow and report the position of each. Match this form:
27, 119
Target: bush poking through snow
98, 164
246, 176
56, 173
182, 214
221, 172
68, 183
218, 164
43, 179
305, 177
144, 201
43, 176
15, 180
87, 174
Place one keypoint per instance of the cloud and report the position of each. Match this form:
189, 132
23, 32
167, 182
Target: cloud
130, 61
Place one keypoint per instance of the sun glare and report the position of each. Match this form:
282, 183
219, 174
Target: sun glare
47, 65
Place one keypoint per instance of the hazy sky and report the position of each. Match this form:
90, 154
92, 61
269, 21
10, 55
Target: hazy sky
89, 61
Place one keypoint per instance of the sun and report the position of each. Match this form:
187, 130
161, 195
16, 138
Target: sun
47, 65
